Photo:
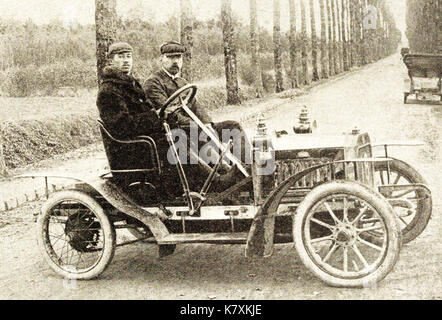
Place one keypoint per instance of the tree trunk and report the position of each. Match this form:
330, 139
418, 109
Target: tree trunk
277, 45
369, 43
186, 37
293, 52
349, 23
331, 41
324, 63
386, 32
353, 32
351, 28
365, 34
381, 31
438, 35
3, 169
335, 38
254, 43
344, 36
306, 77
378, 39
339, 37
314, 41
360, 33
229, 53
105, 31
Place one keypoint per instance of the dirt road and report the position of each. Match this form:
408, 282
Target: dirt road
370, 98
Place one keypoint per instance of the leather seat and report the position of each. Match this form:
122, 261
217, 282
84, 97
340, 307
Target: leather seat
141, 162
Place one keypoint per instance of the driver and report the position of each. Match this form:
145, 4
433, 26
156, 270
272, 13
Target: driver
164, 82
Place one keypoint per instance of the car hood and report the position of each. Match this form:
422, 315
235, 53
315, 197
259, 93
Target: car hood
308, 142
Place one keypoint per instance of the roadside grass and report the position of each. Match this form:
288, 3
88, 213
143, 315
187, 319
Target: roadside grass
41, 108
211, 94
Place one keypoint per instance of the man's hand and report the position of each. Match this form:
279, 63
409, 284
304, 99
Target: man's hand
174, 107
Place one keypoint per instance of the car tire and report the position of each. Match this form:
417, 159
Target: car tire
100, 219
391, 244
424, 206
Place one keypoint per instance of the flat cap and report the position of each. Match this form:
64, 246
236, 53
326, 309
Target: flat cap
119, 47
172, 47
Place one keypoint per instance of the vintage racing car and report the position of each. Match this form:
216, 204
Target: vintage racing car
346, 211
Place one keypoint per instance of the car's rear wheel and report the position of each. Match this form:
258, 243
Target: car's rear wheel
350, 251
75, 235
414, 219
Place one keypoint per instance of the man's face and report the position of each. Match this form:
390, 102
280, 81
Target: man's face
123, 61
172, 63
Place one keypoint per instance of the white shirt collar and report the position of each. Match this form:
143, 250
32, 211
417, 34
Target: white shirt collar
170, 75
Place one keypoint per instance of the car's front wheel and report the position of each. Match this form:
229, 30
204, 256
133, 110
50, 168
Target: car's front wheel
346, 234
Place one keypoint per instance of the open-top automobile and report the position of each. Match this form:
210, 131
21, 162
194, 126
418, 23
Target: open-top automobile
346, 211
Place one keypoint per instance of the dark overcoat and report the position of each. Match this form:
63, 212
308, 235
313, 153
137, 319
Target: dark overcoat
126, 114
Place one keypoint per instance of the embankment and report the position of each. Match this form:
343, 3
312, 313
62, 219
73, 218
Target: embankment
28, 141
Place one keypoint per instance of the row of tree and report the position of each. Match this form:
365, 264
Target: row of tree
352, 33
424, 25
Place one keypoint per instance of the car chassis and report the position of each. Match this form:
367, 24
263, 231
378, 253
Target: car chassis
329, 195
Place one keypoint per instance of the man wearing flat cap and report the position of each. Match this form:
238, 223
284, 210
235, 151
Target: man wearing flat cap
124, 110
121, 99
163, 83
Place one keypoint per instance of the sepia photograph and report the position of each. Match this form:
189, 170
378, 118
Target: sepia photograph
220, 151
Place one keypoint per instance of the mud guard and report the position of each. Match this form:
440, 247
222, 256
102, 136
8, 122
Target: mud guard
261, 235
116, 198
260, 240
112, 194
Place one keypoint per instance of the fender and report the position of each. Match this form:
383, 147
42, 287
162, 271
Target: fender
260, 240
399, 160
422, 188
117, 199
397, 143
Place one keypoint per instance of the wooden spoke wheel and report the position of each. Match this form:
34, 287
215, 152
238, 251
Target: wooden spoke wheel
350, 251
414, 217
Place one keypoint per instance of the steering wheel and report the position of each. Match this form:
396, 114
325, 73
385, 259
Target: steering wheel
192, 92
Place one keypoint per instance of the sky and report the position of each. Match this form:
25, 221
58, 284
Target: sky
83, 11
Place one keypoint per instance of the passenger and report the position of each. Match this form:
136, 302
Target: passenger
125, 113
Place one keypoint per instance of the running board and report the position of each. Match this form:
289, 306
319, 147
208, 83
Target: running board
219, 238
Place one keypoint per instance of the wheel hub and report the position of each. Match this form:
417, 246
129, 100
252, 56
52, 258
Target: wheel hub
82, 231
344, 235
